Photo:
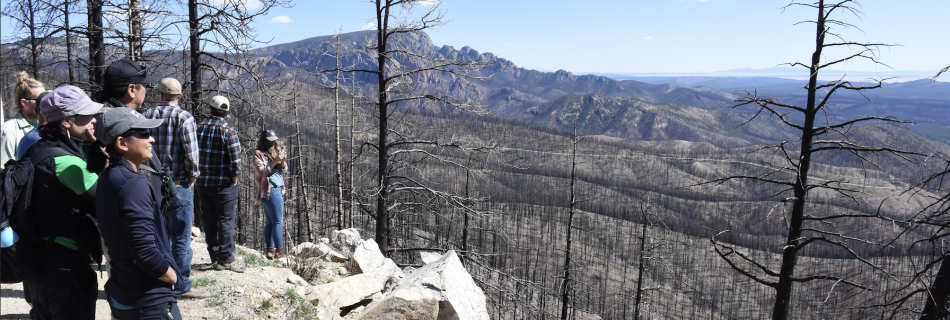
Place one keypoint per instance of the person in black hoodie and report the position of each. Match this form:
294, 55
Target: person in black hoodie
145, 282
63, 197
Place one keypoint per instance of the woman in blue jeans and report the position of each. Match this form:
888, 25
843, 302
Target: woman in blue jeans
270, 158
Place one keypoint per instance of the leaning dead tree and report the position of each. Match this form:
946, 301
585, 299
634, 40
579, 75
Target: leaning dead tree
820, 133
397, 71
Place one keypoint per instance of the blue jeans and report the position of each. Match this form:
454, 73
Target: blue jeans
164, 311
218, 206
274, 219
181, 214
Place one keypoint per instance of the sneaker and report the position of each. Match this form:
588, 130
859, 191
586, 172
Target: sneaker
196, 294
233, 266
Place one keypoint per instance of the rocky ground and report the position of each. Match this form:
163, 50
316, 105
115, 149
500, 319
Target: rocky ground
264, 291
345, 278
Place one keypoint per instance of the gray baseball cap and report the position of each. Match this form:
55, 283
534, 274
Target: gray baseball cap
117, 121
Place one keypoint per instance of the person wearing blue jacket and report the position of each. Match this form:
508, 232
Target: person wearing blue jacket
145, 282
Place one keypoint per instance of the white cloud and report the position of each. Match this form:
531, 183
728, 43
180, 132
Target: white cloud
369, 26
281, 19
648, 38
428, 3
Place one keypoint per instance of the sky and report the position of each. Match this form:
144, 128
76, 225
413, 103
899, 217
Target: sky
649, 36
668, 37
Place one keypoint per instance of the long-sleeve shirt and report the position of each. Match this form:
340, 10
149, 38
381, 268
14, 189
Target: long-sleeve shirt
220, 152
10, 134
176, 140
133, 229
264, 169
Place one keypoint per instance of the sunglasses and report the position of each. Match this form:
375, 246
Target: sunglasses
142, 133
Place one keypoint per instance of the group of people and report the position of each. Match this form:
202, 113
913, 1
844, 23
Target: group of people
109, 179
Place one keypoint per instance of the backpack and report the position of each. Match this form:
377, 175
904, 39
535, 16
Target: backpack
22, 250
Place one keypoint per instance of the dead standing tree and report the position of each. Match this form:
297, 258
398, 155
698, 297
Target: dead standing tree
792, 174
395, 69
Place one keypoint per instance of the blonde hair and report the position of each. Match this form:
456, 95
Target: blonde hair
24, 87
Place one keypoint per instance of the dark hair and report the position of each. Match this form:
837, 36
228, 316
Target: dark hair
218, 113
118, 92
271, 151
57, 126
110, 148
262, 143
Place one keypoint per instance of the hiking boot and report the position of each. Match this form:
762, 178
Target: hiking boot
233, 266
196, 294
270, 253
279, 254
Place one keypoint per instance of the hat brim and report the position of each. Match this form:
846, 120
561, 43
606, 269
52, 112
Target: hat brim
89, 109
147, 123
272, 138
151, 79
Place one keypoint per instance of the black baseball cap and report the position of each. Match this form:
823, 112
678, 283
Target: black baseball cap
125, 72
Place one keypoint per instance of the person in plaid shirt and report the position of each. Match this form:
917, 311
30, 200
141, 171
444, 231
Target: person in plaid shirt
176, 145
220, 152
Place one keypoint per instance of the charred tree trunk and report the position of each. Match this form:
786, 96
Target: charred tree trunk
382, 214
783, 289
69, 43
194, 54
566, 281
939, 297
135, 31
97, 59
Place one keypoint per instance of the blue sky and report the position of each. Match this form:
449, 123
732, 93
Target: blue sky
648, 36
644, 36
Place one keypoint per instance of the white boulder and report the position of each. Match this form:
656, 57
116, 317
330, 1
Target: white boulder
348, 292
367, 256
441, 290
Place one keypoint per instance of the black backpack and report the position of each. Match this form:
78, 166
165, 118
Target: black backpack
23, 258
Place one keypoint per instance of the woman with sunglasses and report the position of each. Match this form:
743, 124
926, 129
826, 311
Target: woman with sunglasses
271, 160
144, 282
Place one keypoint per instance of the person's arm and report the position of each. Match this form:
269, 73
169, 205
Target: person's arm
189, 145
136, 207
72, 173
7, 147
234, 150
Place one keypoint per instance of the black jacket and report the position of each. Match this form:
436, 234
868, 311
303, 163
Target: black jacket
63, 195
135, 234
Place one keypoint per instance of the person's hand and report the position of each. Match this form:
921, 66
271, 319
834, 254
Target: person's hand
234, 180
192, 181
98, 159
282, 156
169, 276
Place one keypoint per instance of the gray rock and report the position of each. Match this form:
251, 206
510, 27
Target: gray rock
441, 290
304, 249
346, 238
351, 291
429, 256
367, 256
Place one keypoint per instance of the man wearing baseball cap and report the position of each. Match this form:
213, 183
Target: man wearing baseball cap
63, 203
123, 84
220, 152
176, 146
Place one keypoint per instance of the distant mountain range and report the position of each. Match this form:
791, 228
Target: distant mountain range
651, 108
693, 108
